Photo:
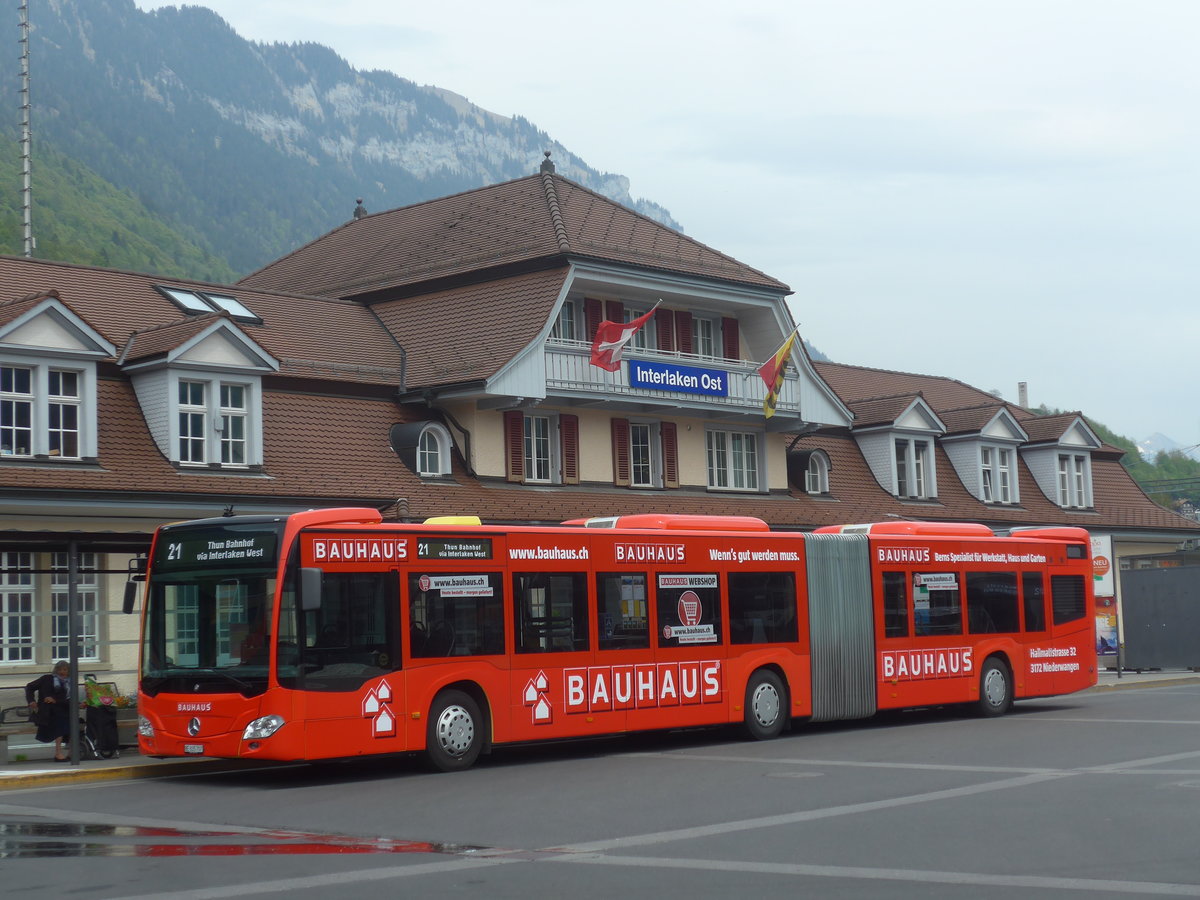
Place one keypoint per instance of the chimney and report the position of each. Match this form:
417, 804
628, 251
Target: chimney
1023, 394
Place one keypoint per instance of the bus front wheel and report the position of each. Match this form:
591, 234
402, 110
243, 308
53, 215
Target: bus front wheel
453, 739
995, 688
766, 706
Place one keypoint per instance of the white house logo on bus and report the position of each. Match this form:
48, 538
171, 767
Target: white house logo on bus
535, 698
377, 707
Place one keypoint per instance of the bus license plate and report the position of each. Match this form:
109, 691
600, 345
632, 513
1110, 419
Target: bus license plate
197, 749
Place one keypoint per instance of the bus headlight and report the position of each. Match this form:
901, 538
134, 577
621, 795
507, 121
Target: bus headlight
145, 728
262, 728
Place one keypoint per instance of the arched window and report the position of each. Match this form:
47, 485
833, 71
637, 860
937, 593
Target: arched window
433, 451
816, 476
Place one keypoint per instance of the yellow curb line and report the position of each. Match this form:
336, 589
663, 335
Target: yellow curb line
131, 772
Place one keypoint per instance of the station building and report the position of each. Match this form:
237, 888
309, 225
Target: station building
435, 360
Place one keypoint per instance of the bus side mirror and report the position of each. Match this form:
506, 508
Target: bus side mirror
136, 571
131, 594
310, 589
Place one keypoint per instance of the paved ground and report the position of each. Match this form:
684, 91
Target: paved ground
32, 763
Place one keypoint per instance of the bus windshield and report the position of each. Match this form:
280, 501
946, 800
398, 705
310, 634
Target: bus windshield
209, 608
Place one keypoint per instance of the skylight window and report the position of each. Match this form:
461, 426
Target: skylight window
198, 302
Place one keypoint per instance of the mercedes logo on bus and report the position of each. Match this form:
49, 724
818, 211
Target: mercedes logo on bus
194, 727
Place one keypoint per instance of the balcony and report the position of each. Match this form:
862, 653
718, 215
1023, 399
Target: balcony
715, 388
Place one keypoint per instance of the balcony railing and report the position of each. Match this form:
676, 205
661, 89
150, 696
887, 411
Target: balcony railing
569, 372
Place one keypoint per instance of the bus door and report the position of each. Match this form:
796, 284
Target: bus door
555, 689
343, 657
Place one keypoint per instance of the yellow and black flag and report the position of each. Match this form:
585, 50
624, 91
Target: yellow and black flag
772, 372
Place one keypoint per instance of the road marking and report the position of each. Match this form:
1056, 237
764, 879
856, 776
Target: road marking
929, 767
794, 870
811, 815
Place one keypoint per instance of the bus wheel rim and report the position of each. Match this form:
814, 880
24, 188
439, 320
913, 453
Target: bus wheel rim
455, 730
765, 704
994, 688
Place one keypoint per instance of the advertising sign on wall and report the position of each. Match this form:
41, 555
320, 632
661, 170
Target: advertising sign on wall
1105, 584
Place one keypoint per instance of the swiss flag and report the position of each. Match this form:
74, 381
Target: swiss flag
611, 338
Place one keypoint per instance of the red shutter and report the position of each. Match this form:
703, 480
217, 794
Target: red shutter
614, 311
729, 339
683, 332
670, 454
664, 322
568, 430
593, 315
514, 445
620, 446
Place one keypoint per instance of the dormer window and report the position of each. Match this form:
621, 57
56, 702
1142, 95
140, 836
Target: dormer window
566, 326
227, 442
41, 411
1074, 480
199, 302
433, 451
914, 468
997, 475
816, 476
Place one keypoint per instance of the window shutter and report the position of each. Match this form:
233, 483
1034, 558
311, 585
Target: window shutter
614, 311
514, 445
664, 320
729, 338
593, 315
620, 441
683, 332
568, 429
670, 454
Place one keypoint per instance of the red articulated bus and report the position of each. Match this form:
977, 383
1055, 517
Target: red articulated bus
330, 634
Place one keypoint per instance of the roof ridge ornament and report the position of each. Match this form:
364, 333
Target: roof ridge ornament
547, 165
360, 211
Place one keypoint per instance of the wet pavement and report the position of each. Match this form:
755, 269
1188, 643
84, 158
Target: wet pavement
32, 764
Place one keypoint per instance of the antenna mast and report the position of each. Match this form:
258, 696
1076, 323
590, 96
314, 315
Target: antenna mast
26, 143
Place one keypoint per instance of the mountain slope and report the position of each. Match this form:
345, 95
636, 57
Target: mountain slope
249, 150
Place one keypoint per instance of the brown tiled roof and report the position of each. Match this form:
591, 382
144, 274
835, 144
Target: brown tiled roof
467, 333
1048, 428
336, 339
971, 419
880, 410
162, 339
539, 217
859, 383
13, 309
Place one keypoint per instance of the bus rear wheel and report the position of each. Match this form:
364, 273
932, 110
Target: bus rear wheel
453, 739
995, 689
766, 706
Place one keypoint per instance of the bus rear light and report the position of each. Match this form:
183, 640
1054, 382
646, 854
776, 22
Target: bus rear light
145, 728
262, 728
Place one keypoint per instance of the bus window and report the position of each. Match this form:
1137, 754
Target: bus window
895, 605
937, 606
689, 609
1067, 597
550, 611
1034, 592
456, 614
353, 637
992, 603
621, 617
762, 607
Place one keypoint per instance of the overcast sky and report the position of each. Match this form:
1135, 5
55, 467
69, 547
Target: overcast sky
992, 192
